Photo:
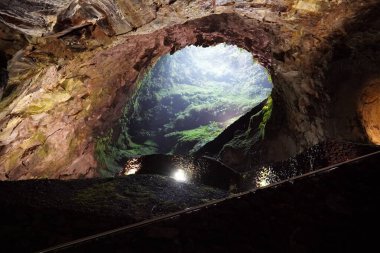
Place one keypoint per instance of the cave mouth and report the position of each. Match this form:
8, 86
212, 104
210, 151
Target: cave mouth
184, 101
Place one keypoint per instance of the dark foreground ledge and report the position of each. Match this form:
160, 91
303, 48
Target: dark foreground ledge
333, 211
36, 214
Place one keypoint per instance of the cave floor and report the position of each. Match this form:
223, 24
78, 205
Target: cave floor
324, 211
330, 211
41, 213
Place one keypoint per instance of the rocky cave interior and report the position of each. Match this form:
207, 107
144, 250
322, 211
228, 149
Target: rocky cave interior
94, 91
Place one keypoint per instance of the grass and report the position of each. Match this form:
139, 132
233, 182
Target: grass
202, 133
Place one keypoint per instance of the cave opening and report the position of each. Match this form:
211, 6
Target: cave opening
184, 101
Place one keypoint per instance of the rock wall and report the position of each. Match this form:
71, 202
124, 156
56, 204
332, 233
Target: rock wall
73, 65
369, 110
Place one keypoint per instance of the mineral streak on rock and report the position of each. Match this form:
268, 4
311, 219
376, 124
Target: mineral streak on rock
73, 64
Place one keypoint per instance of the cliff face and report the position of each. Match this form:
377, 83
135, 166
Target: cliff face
73, 65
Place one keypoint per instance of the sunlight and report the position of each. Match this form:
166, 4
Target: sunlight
222, 62
188, 98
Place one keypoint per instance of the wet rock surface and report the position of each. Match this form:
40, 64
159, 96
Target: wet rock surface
201, 170
212, 172
317, 157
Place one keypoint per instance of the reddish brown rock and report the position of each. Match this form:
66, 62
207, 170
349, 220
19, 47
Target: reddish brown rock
77, 71
370, 110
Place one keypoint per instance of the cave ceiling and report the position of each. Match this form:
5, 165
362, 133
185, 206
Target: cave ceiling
72, 66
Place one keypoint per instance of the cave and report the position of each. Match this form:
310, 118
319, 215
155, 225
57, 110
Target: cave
184, 101
100, 140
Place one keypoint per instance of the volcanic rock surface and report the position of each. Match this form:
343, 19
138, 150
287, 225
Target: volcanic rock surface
72, 65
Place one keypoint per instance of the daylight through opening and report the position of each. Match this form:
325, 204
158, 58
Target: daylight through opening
187, 99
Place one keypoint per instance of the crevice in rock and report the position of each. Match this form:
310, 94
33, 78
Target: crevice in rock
3, 75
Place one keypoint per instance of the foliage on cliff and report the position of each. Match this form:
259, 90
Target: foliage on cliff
186, 100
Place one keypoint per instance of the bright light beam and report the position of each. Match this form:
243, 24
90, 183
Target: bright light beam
180, 175
131, 171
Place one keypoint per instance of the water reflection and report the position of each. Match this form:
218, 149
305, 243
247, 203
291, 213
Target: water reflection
132, 166
211, 172
265, 176
202, 171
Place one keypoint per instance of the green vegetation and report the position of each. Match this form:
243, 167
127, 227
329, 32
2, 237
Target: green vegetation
185, 101
244, 141
200, 135
267, 112
203, 132
106, 155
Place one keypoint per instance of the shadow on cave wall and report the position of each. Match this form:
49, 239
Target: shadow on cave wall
3, 74
352, 82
